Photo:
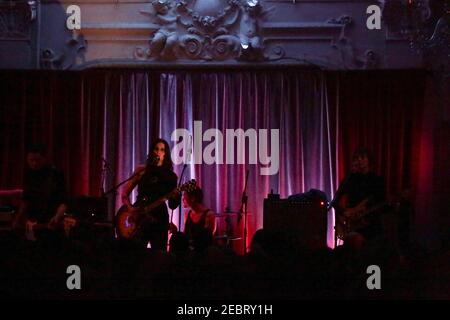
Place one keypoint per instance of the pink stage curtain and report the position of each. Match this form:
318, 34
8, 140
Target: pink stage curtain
321, 117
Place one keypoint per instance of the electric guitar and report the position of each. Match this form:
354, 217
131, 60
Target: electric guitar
129, 220
351, 219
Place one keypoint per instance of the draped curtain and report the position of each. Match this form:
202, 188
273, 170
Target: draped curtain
98, 126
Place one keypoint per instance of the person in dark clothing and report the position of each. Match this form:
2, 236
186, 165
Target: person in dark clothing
154, 180
199, 224
44, 193
360, 195
199, 221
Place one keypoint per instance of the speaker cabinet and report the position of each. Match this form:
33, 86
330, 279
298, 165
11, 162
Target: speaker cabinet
307, 221
88, 208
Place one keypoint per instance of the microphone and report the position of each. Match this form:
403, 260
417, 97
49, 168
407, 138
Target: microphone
153, 159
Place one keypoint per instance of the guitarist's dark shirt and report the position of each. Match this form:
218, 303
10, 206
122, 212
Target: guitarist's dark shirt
360, 186
154, 184
43, 191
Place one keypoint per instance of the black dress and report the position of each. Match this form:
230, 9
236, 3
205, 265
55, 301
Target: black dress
156, 182
199, 236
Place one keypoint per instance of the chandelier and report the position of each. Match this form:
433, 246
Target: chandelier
425, 24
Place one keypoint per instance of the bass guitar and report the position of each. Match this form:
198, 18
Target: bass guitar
67, 223
351, 219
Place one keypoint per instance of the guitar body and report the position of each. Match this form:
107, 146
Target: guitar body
129, 220
345, 225
352, 219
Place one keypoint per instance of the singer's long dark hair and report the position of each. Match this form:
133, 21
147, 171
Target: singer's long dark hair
167, 162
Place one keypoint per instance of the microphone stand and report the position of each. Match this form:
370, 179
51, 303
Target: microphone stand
106, 172
102, 181
114, 189
179, 184
181, 204
243, 209
171, 213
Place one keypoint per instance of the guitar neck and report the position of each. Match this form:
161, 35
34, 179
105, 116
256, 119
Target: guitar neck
374, 208
185, 187
158, 202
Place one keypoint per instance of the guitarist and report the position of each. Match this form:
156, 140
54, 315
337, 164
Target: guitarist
153, 181
44, 195
361, 190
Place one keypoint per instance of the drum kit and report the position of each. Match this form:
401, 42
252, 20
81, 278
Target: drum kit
229, 227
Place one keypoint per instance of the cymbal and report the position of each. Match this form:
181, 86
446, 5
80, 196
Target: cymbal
227, 214
227, 237
221, 237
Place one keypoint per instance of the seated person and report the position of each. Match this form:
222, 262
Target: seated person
361, 193
199, 221
44, 194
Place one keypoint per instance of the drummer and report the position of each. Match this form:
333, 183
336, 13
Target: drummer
199, 221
